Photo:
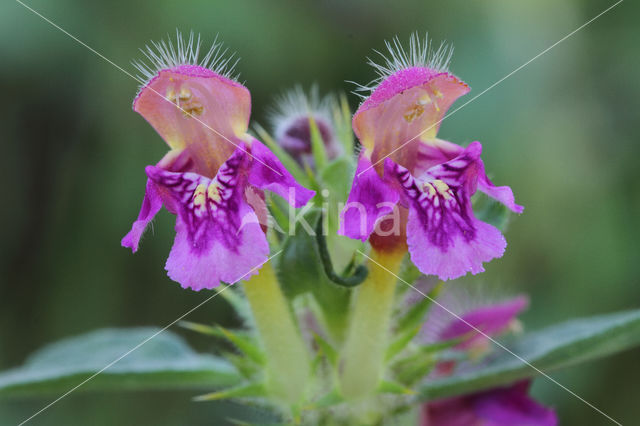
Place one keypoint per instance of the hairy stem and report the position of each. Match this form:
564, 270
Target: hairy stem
286, 353
368, 333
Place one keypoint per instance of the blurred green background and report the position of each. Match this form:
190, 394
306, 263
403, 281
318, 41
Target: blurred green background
562, 132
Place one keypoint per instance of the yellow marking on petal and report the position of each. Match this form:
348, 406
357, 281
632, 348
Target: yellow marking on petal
192, 108
425, 99
213, 193
437, 93
429, 188
199, 197
413, 112
442, 188
185, 94
171, 94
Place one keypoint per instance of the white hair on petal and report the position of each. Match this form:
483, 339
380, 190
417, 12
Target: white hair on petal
164, 54
421, 53
456, 300
297, 103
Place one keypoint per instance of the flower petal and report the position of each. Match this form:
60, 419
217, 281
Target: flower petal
194, 108
174, 160
497, 407
437, 151
491, 320
443, 235
370, 199
267, 172
406, 106
218, 237
151, 205
503, 194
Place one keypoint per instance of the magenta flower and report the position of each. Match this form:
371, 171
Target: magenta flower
491, 320
213, 176
460, 315
496, 407
403, 163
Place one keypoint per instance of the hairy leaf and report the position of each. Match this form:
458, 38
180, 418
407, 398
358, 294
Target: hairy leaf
163, 362
555, 347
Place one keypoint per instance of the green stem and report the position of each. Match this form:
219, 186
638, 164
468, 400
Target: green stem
286, 353
366, 342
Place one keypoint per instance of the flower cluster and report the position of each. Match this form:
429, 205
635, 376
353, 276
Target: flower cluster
323, 345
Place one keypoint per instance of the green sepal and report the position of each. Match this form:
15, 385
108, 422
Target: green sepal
394, 388
411, 370
327, 349
318, 148
401, 342
251, 390
415, 315
246, 367
243, 342
342, 119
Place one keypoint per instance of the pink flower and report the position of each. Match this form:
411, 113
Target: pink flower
214, 168
491, 320
459, 315
403, 163
496, 407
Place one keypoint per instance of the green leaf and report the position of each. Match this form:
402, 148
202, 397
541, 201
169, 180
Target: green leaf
245, 344
163, 362
318, 148
299, 265
251, 390
336, 178
243, 341
398, 344
394, 388
342, 118
554, 347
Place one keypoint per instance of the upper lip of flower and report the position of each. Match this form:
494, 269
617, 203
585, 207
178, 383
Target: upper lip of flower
404, 79
163, 55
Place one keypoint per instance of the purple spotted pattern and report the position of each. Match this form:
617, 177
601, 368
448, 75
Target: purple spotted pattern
443, 235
